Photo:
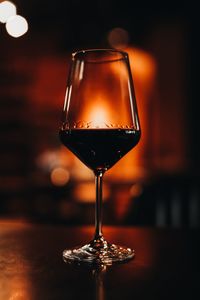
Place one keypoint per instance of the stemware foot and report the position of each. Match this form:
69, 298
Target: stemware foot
103, 255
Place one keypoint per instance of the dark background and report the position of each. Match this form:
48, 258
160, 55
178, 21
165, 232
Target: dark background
34, 63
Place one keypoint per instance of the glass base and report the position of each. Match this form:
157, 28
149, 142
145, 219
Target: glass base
98, 252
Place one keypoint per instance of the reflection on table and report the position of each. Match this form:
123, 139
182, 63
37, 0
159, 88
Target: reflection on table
166, 265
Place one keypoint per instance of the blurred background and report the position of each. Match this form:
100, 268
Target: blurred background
157, 183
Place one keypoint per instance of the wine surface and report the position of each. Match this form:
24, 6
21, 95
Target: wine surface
99, 149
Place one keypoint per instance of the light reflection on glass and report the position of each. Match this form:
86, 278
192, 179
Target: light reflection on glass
99, 283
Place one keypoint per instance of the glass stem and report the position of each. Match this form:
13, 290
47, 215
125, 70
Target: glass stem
98, 206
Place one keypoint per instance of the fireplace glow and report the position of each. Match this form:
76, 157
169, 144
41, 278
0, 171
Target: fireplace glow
98, 117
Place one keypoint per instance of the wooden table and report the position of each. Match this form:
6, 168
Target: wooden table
166, 265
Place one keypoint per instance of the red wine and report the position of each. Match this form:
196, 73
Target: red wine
99, 149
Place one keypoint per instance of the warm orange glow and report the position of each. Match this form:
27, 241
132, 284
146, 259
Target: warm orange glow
143, 68
85, 192
19, 289
133, 165
60, 176
7, 9
79, 171
99, 116
97, 112
15, 278
136, 190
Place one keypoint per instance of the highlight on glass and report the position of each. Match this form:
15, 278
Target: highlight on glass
100, 125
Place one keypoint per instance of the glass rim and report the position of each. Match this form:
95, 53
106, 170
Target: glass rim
82, 55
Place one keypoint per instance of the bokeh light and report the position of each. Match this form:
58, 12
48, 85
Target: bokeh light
60, 176
136, 190
7, 9
118, 38
16, 26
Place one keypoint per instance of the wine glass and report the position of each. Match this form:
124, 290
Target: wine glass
100, 125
